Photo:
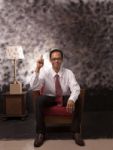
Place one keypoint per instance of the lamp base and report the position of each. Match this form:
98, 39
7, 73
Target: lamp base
15, 88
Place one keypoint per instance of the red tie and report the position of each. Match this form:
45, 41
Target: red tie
58, 90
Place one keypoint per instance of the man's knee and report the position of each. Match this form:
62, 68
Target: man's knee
40, 100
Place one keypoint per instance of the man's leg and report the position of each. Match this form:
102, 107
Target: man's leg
76, 119
41, 103
76, 124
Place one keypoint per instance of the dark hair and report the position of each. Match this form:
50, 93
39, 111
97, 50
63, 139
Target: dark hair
56, 50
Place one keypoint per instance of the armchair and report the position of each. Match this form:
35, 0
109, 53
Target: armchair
56, 115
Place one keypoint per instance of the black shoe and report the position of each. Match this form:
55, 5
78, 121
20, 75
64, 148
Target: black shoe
78, 139
39, 140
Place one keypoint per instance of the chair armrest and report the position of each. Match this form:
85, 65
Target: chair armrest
35, 94
82, 97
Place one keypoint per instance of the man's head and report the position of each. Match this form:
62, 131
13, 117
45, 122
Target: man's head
56, 59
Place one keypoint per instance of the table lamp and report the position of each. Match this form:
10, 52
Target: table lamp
14, 53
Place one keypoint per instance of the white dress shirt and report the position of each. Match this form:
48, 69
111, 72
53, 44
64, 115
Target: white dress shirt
46, 79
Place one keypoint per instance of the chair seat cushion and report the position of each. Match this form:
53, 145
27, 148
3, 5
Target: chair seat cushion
56, 111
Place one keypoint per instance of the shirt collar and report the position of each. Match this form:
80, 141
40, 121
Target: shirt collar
59, 73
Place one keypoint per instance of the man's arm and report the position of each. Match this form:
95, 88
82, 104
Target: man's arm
36, 82
75, 91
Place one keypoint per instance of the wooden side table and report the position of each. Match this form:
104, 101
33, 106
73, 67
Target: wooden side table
15, 105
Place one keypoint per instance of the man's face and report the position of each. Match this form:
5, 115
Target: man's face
56, 60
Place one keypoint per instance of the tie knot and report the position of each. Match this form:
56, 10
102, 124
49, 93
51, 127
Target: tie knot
56, 76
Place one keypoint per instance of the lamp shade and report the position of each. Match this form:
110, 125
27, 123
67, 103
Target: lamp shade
14, 52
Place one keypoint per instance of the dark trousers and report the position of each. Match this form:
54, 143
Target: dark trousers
48, 101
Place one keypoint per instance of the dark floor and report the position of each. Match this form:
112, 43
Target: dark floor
95, 125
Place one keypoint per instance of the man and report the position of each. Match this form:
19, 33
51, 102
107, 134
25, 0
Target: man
56, 82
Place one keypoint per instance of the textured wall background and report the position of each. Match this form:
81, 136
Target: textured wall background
82, 29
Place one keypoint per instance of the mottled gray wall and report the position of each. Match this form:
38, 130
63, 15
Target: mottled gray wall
82, 29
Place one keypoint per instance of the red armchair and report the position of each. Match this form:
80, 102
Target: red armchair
57, 114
